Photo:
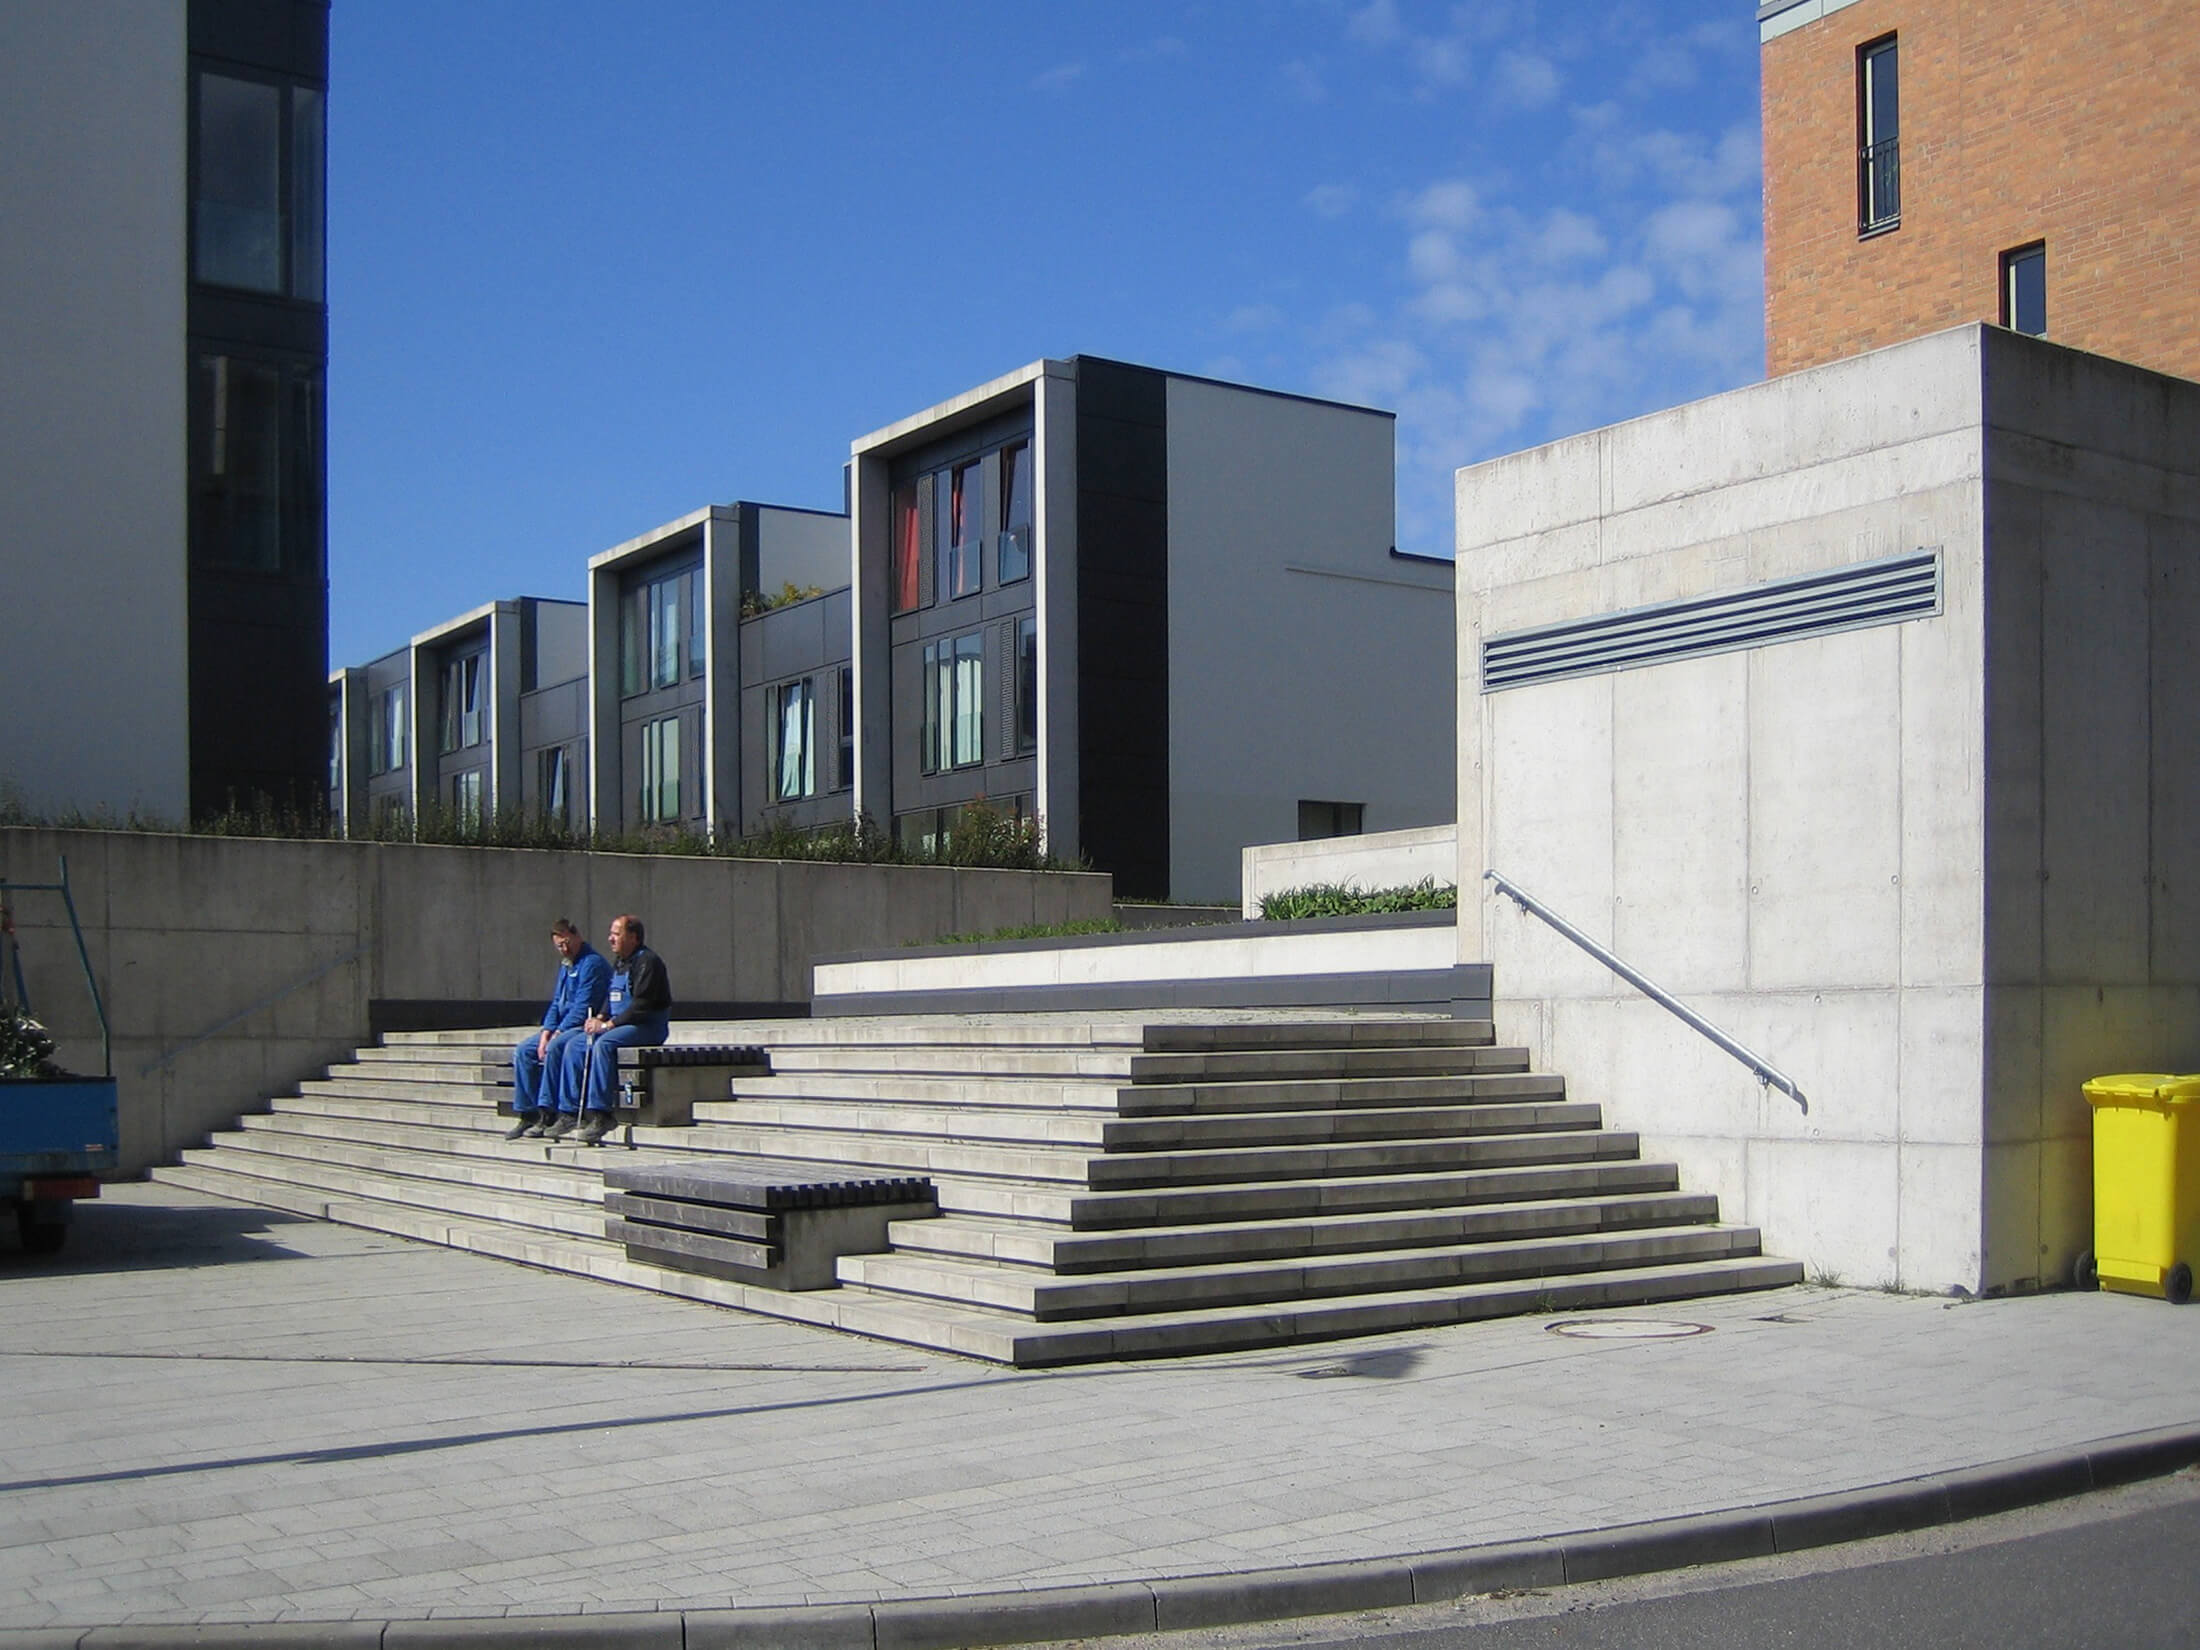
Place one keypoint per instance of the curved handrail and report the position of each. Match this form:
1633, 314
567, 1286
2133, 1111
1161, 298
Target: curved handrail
1766, 1073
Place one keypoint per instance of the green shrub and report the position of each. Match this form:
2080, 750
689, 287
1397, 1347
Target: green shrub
1338, 899
1035, 931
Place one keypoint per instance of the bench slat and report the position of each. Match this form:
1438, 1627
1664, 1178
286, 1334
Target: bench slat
697, 1217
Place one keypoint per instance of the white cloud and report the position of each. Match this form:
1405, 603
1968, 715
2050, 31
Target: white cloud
1375, 24
1567, 235
1306, 80
1439, 61
1167, 45
1449, 204
1253, 318
1057, 79
1332, 200
1525, 80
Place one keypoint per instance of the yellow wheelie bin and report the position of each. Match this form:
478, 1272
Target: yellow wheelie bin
2146, 1185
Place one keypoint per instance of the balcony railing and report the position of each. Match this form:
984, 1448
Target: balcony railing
1879, 185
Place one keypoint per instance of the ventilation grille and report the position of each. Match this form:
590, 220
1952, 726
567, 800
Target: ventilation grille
1782, 610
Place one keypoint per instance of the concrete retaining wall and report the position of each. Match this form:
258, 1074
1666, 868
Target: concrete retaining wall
235, 967
1380, 859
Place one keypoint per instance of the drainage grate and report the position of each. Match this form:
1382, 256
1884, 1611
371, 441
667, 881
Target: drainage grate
1887, 591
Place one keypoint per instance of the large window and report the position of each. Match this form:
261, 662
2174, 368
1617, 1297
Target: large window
256, 465
958, 508
336, 747
906, 550
1879, 150
259, 152
554, 783
660, 630
469, 805
791, 709
954, 703
386, 731
2024, 289
1318, 820
844, 774
1027, 684
465, 719
660, 799
1014, 556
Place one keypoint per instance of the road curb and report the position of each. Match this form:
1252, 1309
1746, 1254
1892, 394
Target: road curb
1161, 1605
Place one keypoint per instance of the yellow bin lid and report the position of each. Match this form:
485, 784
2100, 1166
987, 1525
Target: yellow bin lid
2153, 1087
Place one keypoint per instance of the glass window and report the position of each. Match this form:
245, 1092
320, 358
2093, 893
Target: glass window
660, 638
1879, 164
954, 703
256, 465
661, 770
791, 709
554, 771
958, 505
1027, 683
2024, 290
336, 747
846, 772
904, 550
386, 732
308, 183
1014, 555
1326, 819
465, 719
467, 802
238, 235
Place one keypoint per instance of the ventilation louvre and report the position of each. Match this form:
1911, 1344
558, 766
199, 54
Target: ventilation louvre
1888, 591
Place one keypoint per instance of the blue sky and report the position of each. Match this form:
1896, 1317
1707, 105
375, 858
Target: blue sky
593, 266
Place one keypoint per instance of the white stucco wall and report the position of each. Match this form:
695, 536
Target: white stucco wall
92, 377
1305, 661
1931, 869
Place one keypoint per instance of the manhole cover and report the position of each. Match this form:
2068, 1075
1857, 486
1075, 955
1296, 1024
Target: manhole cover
1627, 1329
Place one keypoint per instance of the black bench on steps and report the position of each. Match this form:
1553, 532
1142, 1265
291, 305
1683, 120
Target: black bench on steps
757, 1220
661, 1085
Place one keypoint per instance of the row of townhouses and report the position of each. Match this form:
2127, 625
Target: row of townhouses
1163, 615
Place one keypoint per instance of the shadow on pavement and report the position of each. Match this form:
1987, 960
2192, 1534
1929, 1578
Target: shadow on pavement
124, 1236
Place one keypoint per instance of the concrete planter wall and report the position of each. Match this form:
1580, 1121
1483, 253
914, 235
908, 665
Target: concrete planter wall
1380, 859
233, 967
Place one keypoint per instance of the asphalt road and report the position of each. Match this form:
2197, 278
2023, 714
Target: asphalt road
2118, 1571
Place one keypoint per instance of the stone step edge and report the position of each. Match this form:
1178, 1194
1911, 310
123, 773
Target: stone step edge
562, 1217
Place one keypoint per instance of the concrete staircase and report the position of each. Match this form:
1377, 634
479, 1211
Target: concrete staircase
1109, 1187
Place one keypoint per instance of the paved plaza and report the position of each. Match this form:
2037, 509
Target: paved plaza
211, 1413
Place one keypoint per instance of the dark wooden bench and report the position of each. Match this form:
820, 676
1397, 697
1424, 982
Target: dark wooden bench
757, 1220
661, 1085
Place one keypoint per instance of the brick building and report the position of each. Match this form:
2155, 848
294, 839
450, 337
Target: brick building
2033, 163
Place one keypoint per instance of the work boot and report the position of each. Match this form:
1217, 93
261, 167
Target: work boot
597, 1126
522, 1125
544, 1122
562, 1127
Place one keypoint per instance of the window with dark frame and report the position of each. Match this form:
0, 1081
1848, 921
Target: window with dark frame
903, 523
1027, 684
844, 773
1320, 820
953, 732
790, 712
660, 629
465, 718
256, 465
958, 506
469, 805
1013, 558
554, 771
336, 747
660, 791
386, 732
1879, 148
258, 155
2024, 289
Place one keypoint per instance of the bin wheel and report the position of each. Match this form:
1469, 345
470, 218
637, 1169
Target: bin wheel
2085, 1271
40, 1237
2177, 1287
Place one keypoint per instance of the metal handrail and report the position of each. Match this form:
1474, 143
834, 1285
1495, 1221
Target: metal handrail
1767, 1074
168, 1056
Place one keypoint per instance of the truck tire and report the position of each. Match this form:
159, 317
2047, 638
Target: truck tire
40, 1237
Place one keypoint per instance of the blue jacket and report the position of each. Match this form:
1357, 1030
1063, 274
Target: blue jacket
583, 985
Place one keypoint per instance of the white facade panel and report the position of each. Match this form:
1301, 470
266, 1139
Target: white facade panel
1306, 662
92, 380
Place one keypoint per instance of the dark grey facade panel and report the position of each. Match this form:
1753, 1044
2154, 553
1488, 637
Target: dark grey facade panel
287, 37
1888, 591
1123, 624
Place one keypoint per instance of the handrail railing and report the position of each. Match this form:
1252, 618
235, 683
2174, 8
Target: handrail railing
168, 1056
1768, 1074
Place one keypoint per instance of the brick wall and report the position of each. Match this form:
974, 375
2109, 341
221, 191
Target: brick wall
2021, 121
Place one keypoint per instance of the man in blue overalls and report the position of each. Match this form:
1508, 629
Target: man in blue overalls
538, 1063
636, 1014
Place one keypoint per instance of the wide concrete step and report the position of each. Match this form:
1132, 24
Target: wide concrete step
1345, 1094
485, 1095
1065, 1250
1010, 1338
423, 1071
1101, 1132
1022, 1093
1236, 1165
470, 1115
1167, 1289
1372, 1031
975, 1092
464, 1137
902, 1153
519, 1172
1112, 1065
241, 1155
1239, 1065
